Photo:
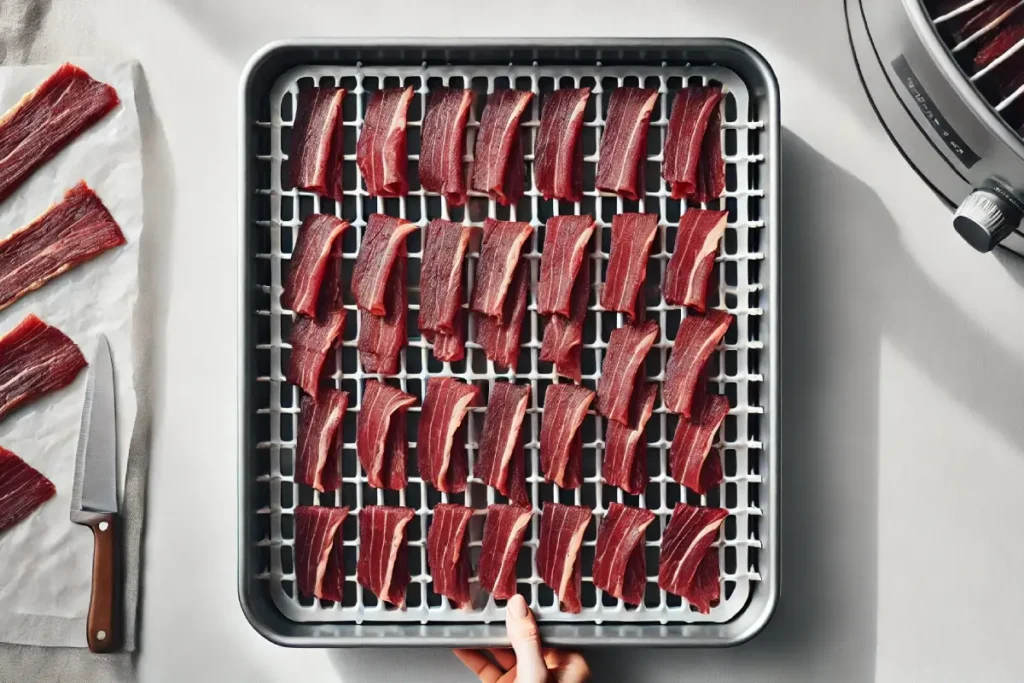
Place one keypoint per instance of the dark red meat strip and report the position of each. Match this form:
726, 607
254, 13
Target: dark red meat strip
442, 144
498, 166
691, 110
563, 337
558, 155
382, 338
711, 169
620, 169
333, 585
963, 26
565, 406
316, 532
620, 565
317, 142
383, 241
500, 337
684, 545
503, 243
309, 261
692, 463
35, 359
503, 538
381, 443
47, 119
452, 347
318, 424
627, 349
68, 234
22, 489
441, 455
705, 589
312, 339
448, 552
1002, 40
632, 237
444, 253
381, 150
693, 260
565, 243
625, 451
558, 562
383, 566
501, 441
695, 342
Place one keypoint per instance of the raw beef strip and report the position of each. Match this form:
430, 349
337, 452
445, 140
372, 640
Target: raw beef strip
558, 562
381, 443
444, 253
627, 349
711, 169
383, 565
705, 589
500, 340
383, 241
35, 359
381, 338
625, 451
558, 155
501, 441
499, 255
498, 166
620, 168
448, 552
443, 139
620, 565
684, 545
333, 585
693, 260
317, 142
1005, 37
68, 234
452, 347
503, 537
691, 446
312, 338
565, 243
22, 489
561, 442
691, 110
441, 461
381, 150
318, 423
632, 237
308, 262
316, 531
47, 119
966, 25
563, 337
695, 342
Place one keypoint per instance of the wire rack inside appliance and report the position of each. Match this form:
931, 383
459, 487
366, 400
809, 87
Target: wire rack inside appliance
734, 370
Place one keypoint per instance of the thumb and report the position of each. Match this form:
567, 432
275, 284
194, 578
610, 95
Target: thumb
525, 638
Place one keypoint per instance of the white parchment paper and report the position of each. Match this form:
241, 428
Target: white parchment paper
46, 561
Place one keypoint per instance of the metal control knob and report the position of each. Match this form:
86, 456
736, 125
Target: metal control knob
988, 215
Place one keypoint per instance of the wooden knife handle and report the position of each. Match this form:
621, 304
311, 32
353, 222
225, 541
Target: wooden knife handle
104, 622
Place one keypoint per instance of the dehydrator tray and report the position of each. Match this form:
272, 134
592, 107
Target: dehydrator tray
745, 367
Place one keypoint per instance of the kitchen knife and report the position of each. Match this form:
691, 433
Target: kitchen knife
94, 500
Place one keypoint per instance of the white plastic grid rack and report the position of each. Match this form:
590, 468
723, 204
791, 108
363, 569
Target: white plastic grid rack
735, 368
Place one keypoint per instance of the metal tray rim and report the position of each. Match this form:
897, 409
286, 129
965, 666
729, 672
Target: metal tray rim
772, 584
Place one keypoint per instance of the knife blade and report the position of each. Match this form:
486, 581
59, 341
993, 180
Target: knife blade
94, 499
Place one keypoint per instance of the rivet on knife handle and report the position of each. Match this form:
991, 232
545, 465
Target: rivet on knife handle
103, 623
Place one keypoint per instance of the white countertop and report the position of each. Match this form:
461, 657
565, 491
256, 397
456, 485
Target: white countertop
903, 356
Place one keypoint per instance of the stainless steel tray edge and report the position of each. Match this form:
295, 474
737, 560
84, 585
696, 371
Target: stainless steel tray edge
271, 61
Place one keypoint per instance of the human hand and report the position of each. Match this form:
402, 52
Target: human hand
526, 662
